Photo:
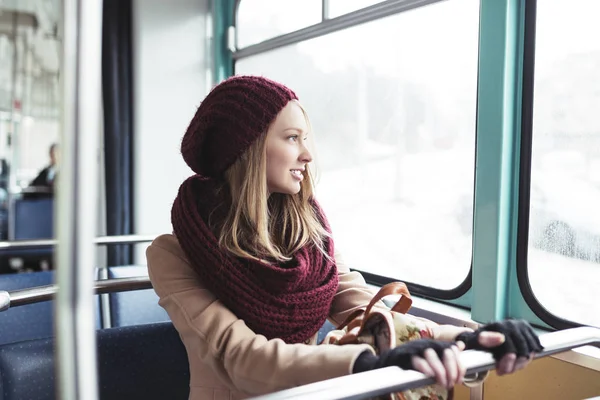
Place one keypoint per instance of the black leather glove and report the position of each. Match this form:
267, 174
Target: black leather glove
520, 339
400, 356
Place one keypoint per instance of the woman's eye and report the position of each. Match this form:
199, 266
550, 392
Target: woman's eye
293, 137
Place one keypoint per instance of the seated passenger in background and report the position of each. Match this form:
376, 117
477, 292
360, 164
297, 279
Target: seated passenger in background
250, 273
43, 184
4, 173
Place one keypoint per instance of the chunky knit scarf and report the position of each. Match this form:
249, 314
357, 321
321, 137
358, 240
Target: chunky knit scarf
289, 301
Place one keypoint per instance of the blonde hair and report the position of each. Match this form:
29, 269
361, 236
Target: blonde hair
260, 226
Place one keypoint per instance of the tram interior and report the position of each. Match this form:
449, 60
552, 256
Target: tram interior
171, 67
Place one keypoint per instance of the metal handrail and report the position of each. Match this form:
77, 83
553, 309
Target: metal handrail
21, 297
100, 241
394, 379
356, 386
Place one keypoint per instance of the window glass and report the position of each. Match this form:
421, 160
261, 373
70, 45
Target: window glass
341, 7
392, 104
564, 232
259, 20
29, 126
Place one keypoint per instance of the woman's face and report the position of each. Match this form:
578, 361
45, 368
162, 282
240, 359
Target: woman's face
287, 153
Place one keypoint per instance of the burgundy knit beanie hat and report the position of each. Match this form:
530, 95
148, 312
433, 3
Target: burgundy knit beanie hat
233, 115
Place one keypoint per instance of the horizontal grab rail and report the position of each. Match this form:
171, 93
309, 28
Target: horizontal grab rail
38, 294
100, 241
393, 379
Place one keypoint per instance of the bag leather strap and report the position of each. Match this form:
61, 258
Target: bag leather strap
402, 306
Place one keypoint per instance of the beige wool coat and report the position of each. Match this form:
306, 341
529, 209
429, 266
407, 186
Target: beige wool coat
227, 360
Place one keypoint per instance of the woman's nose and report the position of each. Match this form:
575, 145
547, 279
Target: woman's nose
305, 156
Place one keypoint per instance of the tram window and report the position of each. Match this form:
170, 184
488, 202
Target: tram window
564, 226
392, 104
29, 126
341, 7
259, 20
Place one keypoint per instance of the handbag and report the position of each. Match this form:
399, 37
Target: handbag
386, 329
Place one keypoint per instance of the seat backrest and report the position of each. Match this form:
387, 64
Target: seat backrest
31, 321
34, 219
325, 329
137, 362
135, 307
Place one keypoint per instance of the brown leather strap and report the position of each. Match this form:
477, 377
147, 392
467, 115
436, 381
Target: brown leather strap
356, 314
402, 306
355, 320
351, 337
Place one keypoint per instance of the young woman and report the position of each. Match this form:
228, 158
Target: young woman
250, 273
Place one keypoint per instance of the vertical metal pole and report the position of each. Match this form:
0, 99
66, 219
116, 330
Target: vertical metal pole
76, 208
27, 101
476, 392
324, 10
12, 133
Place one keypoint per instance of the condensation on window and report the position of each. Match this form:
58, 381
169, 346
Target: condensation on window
564, 234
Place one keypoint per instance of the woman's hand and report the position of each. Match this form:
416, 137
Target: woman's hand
431, 357
512, 342
447, 368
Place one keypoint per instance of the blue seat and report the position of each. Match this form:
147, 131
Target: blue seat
31, 321
137, 362
34, 219
325, 329
135, 307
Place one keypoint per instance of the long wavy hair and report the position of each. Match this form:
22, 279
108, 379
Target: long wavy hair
267, 227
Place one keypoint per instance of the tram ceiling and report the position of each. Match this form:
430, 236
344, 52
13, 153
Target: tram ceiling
29, 56
11, 20
34, 23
